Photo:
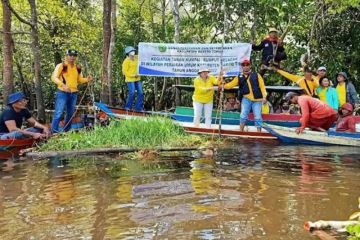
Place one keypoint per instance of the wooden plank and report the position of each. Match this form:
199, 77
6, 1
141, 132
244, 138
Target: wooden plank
48, 154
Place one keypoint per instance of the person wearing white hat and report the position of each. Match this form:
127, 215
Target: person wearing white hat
130, 71
203, 96
321, 72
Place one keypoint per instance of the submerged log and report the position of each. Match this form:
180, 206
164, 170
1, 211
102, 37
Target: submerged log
49, 154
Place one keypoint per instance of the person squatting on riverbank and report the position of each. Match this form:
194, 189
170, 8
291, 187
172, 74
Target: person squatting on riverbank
11, 120
252, 94
315, 114
132, 78
67, 76
203, 96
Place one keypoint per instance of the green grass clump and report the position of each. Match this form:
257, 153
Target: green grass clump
141, 133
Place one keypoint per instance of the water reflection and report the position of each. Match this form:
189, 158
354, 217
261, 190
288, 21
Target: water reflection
248, 191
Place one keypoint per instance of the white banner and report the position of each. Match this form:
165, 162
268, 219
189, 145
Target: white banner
184, 60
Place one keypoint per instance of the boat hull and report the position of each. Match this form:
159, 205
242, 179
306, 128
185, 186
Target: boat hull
331, 137
226, 131
186, 114
11, 147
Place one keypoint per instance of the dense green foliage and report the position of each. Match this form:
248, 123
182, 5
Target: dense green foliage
354, 232
148, 133
328, 30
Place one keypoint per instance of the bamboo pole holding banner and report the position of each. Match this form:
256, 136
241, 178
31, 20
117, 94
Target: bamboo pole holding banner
221, 67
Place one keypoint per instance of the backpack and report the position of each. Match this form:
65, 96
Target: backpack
65, 68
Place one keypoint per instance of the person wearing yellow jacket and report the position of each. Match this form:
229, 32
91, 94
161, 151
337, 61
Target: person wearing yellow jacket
308, 82
67, 76
203, 96
253, 93
130, 71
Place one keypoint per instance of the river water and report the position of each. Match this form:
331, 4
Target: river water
249, 190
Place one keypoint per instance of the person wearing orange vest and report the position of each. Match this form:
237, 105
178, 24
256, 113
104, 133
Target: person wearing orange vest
67, 76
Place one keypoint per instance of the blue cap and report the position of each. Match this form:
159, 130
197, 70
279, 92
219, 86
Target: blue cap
129, 49
14, 97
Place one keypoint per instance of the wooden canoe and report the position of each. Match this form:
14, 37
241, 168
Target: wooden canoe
11, 147
186, 114
331, 137
226, 131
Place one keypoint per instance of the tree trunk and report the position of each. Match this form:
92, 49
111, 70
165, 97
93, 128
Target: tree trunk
176, 15
37, 62
106, 47
8, 83
111, 49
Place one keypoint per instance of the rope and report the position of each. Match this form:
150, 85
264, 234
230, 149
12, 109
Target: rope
76, 110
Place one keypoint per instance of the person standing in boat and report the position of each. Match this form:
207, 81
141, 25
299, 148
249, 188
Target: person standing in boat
327, 93
346, 121
315, 114
132, 78
11, 120
67, 76
345, 90
203, 96
272, 50
321, 72
252, 93
309, 82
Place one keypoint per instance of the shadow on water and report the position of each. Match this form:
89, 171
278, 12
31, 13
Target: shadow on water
249, 190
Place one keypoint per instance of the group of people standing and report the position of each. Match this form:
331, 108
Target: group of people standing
318, 114
320, 103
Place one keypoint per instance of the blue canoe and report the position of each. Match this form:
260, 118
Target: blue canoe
331, 137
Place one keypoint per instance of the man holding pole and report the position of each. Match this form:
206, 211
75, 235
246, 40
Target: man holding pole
252, 94
67, 75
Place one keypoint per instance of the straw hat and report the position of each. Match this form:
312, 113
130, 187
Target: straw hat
273, 30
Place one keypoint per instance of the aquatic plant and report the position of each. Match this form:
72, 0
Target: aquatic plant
354, 230
149, 133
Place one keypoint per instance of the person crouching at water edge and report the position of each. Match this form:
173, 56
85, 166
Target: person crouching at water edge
130, 71
253, 93
203, 96
315, 114
11, 120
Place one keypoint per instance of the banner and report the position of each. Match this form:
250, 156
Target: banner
184, 60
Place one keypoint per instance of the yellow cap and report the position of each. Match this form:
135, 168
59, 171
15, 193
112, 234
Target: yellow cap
230, 95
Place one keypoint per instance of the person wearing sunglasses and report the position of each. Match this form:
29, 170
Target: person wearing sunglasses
11, 120
252, 93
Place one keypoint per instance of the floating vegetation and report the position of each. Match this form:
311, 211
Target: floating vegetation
149, 133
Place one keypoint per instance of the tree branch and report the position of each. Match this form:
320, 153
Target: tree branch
18, 16
14, 32
24, 43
